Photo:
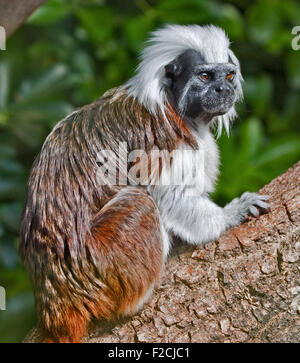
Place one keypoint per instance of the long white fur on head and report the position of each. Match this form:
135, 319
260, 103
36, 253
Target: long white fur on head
166, 44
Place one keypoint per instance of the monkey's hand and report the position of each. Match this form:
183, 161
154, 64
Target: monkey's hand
248, 204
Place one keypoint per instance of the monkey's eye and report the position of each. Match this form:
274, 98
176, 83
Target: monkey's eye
230, 76
204, 76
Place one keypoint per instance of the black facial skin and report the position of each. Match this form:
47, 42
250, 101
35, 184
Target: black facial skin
200, 91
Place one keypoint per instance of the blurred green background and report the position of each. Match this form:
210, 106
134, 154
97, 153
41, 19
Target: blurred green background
69, 52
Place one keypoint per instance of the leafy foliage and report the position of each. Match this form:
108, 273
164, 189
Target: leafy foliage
69, 52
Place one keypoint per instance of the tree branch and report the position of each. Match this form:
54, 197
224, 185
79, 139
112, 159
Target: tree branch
242, 288
14, 12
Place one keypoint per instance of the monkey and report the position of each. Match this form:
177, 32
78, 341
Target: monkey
96, 250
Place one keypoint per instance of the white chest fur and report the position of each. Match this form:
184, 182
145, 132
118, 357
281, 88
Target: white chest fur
192, 172
208, 146
184, 206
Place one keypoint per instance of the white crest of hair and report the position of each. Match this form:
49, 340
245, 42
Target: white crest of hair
166, 44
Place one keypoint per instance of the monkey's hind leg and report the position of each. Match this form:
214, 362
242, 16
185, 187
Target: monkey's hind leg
124, 257
131, 246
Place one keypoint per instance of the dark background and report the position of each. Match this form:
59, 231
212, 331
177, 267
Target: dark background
70, 51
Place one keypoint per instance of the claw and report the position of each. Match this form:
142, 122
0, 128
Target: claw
263, 197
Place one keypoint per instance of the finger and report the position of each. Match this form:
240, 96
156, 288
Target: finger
245, 196
262, 204
263, 197
254, 211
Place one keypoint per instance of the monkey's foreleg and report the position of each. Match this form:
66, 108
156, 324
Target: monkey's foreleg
197, 219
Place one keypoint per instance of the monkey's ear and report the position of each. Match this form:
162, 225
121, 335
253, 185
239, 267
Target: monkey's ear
173, 70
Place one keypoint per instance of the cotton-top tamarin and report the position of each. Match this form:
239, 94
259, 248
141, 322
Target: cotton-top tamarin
95, 249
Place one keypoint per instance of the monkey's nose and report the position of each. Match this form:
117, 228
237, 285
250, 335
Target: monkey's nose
222, 89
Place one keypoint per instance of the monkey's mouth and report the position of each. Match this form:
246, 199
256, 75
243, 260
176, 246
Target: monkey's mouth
206, 107
217, 106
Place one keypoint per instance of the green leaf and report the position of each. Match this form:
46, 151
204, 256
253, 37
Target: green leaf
11, 188
263, 21
97, 22
10, 167
137, 30
258, 91
6, 150
4, 85
4, 118
40, 87
281, 150
51, 12
83, 64
293, 68
187, 11
231, 21
251, 136
47, 112
10, 215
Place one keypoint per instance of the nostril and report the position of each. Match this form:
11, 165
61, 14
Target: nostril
222, 89
219, 89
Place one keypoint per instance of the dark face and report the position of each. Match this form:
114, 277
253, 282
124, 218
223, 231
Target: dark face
198, 90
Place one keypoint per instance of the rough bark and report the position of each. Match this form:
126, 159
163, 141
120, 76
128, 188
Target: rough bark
14, 12
245, 287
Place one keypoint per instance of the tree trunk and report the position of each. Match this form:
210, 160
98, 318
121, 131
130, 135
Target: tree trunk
245, 287
14, 12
